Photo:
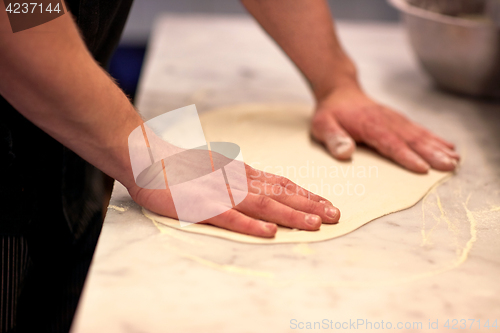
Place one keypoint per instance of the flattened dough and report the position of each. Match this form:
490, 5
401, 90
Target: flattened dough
276, 139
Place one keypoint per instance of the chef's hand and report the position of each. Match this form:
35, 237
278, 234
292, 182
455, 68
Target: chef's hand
271, 200
346, 116
304, 29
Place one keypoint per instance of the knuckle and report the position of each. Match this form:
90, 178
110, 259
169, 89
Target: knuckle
390, 145
302, 192
371, 131
230, 216
237, 221
397, 148
263, 203
414, 137
311, 206
278, 191
244, 223
294, 216
381, 141
288, 190
228, 219
284, 182
414, 141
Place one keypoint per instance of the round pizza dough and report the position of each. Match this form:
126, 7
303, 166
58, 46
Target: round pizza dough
276, 139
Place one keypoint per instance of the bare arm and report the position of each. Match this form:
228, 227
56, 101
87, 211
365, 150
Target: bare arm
304, 30
344, 114
49, 76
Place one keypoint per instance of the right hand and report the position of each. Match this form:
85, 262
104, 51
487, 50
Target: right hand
347, 115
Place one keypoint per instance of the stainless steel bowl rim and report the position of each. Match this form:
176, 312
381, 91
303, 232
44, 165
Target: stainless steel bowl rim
413, 10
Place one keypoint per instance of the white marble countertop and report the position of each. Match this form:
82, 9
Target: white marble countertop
438, 260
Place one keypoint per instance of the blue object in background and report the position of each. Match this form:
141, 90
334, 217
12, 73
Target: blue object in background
125, 67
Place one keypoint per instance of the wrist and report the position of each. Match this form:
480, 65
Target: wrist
343, 76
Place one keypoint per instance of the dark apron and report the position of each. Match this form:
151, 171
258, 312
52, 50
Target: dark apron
51, 200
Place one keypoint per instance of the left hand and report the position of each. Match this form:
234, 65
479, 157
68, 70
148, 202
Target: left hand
347, 115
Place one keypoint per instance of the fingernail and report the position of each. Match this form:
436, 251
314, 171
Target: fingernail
313, 220
330, 212
342, 148
450, 152
324, 202
445, 159
339, 145
423, 165
268, 227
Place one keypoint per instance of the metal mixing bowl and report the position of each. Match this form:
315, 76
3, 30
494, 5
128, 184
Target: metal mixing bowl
461, 54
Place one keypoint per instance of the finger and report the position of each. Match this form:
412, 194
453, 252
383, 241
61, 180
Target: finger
425, 133
327, 212
269, 178
264, 208
451, 153
238, 222
394, 148
435, 156
444, 142
422, 132
416, 132
328, 131
423, 138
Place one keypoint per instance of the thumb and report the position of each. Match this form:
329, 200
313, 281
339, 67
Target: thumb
327, 130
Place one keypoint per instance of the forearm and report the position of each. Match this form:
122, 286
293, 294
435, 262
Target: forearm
49, 76
304, 30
